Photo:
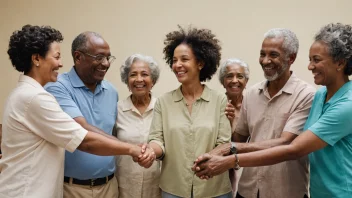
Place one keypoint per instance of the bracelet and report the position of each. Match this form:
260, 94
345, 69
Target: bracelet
237, 161
161, 156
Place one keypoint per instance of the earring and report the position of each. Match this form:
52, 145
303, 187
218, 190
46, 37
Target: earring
338, 69
37, 65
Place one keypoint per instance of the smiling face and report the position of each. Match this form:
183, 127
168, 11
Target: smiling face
88, 69
273, 59
234, 80
50, 64
139, 79
185, 66
321, 64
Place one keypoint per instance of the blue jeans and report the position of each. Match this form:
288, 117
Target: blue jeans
168, 195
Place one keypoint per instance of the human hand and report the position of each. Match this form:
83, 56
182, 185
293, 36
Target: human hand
147, 156
230, 111
206, 166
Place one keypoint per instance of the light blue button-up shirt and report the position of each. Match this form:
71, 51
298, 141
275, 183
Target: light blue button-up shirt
99, 109
331, 167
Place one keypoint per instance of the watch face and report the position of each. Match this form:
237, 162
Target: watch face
233, 148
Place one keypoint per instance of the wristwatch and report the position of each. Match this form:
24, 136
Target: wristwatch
233, 149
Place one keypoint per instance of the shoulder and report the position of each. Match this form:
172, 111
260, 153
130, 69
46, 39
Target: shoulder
254, 89
63, 81
304, 86
109, 85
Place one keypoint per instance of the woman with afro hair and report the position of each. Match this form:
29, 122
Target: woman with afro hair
190, 120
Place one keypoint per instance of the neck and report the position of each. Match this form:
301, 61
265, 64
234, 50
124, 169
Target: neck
141, 101
334, 87
36, 77
236, 100
90, 85
276, 85
193, 90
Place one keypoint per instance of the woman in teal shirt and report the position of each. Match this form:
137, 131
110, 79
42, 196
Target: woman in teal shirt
328, 131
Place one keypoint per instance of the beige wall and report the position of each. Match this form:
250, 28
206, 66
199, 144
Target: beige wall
132, 26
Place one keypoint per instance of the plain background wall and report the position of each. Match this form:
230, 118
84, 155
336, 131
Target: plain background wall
132, 26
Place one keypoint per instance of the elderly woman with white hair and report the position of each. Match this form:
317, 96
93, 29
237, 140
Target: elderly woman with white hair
140, 73
234, 75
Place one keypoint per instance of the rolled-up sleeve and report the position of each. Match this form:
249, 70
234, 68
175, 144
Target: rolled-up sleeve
46, 119
156, 134
224, 135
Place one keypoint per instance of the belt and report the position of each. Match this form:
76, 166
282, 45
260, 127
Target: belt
90, 182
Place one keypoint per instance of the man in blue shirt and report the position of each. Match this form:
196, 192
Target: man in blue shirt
91, 101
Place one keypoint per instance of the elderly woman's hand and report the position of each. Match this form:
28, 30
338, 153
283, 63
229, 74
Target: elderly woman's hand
230, 111
147, 157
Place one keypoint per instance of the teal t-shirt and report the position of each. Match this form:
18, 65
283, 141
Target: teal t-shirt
331, 167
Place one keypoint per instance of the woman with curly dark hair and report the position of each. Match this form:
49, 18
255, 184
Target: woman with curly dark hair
36, 131
190, 120
328, 132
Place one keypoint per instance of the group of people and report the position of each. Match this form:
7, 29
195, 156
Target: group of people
189, 142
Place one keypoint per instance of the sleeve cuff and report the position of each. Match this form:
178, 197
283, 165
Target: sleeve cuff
76, 140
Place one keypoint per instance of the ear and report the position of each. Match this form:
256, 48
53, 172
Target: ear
341, 64
292, 58
200, 65
36, 59
77, 57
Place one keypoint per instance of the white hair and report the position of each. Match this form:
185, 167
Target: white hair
290, 44
126, 67
230, 61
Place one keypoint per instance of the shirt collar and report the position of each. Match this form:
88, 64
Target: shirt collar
77, 82
289, 86
347, 86
30, 80
178, 96
127, 104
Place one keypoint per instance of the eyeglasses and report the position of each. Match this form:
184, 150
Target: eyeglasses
101, 58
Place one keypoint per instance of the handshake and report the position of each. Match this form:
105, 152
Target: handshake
143, 154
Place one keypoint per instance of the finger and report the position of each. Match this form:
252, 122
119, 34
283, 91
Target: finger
144, 147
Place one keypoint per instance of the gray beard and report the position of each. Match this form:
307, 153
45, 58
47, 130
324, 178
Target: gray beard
277, 74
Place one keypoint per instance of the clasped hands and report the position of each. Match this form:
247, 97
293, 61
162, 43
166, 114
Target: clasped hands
208, 165
145, 156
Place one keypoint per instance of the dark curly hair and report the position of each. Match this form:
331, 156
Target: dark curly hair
205, 47
28, 41
338, 38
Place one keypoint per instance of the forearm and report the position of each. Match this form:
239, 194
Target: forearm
157, 149
222, 149
257, 146
98, 144
265, 157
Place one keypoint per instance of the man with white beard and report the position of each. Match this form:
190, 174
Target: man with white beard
273, 113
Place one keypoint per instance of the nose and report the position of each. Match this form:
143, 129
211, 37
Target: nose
105, 62
139, 78
310, 66
265, 60
234, 79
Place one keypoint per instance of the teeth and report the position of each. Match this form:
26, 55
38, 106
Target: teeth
180, 73
102, 70
139, 86
268, 68
314, 74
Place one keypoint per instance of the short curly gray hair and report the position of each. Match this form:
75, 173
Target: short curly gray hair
338, 38
230, 61
290, 44
126, 67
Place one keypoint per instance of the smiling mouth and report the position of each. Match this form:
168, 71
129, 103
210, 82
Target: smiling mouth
102, 70
316, 73
139, 86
